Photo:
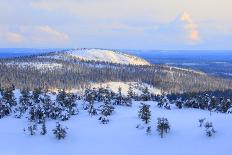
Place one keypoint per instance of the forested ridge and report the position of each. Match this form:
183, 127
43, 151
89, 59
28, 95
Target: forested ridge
62, 71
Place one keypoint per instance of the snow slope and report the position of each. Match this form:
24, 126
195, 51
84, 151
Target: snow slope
137, 87
86, 136
37, 65
102, 56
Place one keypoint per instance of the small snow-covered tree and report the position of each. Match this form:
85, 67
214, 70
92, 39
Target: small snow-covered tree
60, 132
163, 126
201, 122
119, 97
145, 113
179, 103
146, 95
209, 129
148, 130
130, 92
24, 103
31, 129
164, 102
92, 110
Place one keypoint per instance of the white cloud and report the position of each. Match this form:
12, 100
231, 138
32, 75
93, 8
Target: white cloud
14, 37
190, 27
51, 33
38, 34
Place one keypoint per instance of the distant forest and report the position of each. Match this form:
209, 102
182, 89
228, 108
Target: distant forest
75, 73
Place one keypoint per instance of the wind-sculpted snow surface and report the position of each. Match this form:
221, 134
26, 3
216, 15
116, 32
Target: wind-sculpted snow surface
86, 136
100, 55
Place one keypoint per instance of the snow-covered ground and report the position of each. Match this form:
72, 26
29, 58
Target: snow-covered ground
137, 87
86, 136
37, 65
100, 55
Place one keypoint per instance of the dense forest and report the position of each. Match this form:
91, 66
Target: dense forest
48, 73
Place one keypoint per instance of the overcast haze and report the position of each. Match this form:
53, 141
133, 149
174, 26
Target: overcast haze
120, 24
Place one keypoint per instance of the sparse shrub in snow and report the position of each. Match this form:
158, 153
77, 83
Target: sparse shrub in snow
148, 130
163, 126
140, 126
145, 113
60, 132
104, 119
31, 129
201, 121
43, 129
209, 129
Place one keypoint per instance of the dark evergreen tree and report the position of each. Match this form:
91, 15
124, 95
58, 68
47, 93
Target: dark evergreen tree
130, 92
145, 113
119, 97
146, 95
60, 132
163, 126
148, 130
43, 129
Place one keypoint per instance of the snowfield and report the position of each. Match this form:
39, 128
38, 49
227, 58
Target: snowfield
113, 86
87, 136
37, 65
99, 55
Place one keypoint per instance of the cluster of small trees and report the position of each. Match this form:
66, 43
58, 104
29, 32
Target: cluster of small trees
209, 129
37, 106
144, 114
212, 101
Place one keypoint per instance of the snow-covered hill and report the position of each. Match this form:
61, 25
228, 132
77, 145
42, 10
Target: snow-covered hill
100, 55
86, 136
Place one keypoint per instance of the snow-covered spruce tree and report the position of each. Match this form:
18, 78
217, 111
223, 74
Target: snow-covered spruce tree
209, 129
212, 105
68, 103
163, 126
225, 105
130, 92
144, 113
92, 110
7, 101
60, 132
25, 101
43, 129
179, 103
164, 102
106, 111
47, 105
36, 95
146, 95
119, 97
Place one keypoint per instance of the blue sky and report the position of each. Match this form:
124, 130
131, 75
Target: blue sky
116, 24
